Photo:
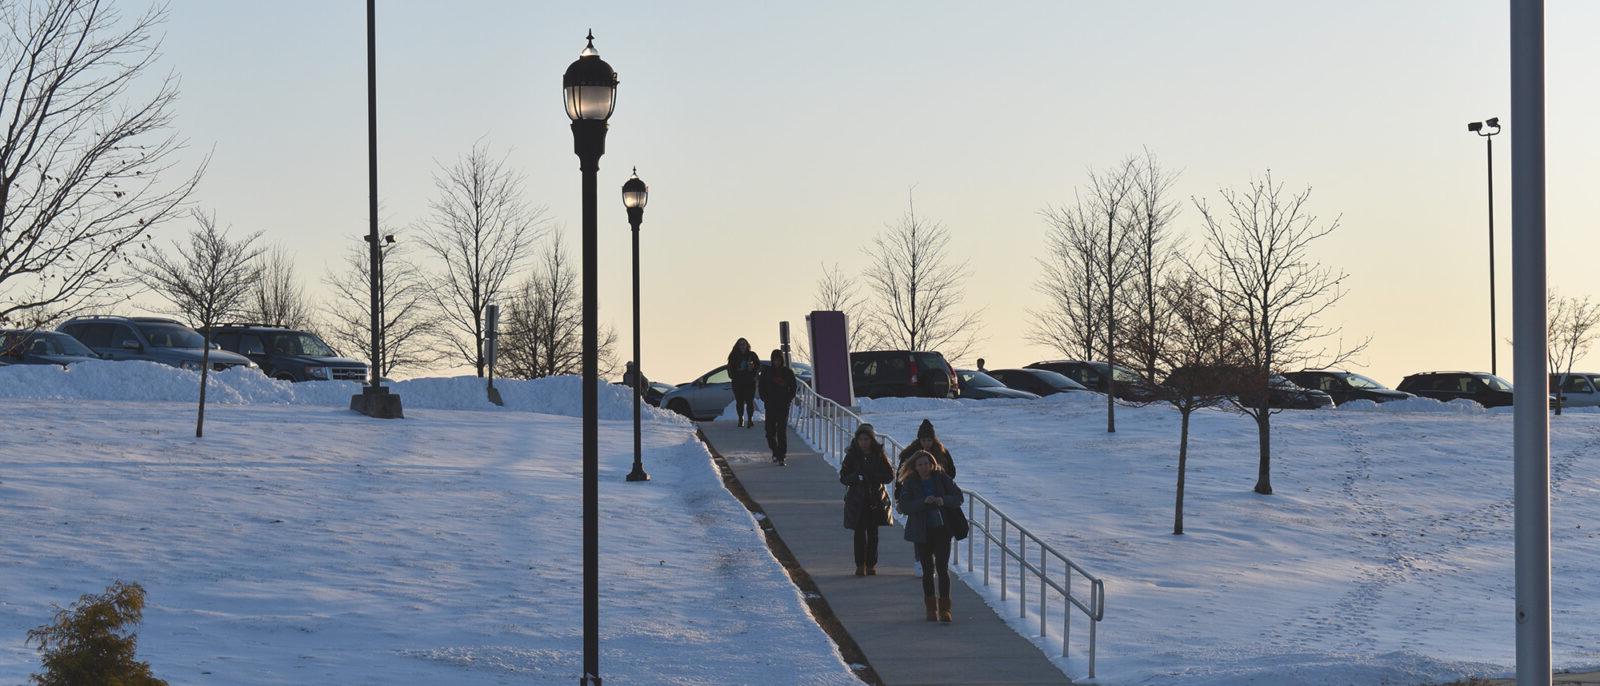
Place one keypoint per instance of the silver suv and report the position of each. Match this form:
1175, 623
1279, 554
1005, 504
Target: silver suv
148, 338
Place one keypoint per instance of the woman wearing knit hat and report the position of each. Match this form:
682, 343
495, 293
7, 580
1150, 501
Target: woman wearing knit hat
865, 470
927, 440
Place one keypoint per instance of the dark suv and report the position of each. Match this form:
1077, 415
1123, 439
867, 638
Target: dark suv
147, 338
1094, 376
1487, 390
1345, 386
902, 374
288, 354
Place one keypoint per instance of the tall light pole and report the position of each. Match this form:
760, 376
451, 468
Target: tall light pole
634, 196
1530, 338
374, 400
1487, 130
590, 88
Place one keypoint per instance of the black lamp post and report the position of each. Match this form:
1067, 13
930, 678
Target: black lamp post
374, 400
634, 196
1487, 129
590, 88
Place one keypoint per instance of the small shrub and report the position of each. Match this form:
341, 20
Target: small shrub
93, 642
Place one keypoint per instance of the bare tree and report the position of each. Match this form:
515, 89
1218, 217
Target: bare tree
1572, 328
1155, 251
1070, 321
409, 320
918, 289
277, 296
1261, 240
841, 292
209, 280
1198, 355
81, 160
482, 230
543, 332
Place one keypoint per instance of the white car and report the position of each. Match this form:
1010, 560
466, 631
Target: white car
1578, 389
706, 397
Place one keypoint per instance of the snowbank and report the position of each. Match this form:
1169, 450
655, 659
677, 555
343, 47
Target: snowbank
1414, 404
149, 381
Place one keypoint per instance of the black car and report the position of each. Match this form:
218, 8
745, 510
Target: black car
1039, 382
1245, 385
1095, 376
39, 346
1483, 388
902, 374
288, 354
977, 385
1345, 386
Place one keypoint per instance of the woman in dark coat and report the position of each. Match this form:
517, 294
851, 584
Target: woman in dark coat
866, 504
929, 441
743, 366
925, 496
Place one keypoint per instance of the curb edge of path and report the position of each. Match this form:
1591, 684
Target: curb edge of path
815, 602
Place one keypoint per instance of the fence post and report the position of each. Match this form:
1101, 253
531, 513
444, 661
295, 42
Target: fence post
1043, 571
1022, 572
1003, 554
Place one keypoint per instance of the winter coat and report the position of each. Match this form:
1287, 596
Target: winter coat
916, 512
743, 368
940, 453
777, 388
866, 503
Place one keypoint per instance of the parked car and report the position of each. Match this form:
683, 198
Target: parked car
1345, 386
980, 386
1039, 382
902, 374
1577, 389
40, 346
148, 338
1096, 375
707, 396
1485, 389
653, 391
1282, 394
288, 354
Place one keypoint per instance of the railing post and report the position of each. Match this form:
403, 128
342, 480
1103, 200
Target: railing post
1066, 617
1005, 551
1043, 571
1022, 572
971, 508
1092, 625
988, 536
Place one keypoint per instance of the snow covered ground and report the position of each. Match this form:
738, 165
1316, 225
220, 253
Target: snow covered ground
300, 543
1384, 557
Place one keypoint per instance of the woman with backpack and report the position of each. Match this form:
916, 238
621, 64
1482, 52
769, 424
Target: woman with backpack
931, 503
864, 472
743, 366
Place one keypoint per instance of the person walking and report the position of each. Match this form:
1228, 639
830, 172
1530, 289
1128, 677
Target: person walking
929, 441
743, 366
927, 496
864, 472
778, 387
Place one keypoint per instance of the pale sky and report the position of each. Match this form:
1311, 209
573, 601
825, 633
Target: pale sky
778, 137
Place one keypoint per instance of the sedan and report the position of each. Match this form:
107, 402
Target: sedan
706, 397
22, 346
1576, 389
980, 386
1346, 386
1039, 382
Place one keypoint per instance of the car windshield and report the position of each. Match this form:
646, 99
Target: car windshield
300, 343
979, 380
67, 345
1359, 381
1496, 382
171, 336
1055, 380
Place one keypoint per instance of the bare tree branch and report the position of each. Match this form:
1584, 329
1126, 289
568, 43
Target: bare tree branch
543, 331
81, 164
410, 321
277, 296
919, 290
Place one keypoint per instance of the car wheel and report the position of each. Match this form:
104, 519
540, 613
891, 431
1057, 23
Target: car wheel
680, 406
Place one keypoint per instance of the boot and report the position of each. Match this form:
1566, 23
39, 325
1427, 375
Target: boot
861, 570
872, 570
932, 605
944, 610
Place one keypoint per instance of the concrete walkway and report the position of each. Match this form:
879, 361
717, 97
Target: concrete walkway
883, 614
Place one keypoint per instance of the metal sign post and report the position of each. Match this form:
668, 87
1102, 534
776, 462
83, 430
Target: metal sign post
491, 347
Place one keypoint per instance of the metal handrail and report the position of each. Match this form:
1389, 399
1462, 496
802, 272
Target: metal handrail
829, 427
